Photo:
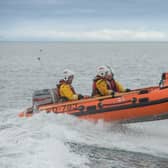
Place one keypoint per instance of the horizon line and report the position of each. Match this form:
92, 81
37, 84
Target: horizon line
85, 41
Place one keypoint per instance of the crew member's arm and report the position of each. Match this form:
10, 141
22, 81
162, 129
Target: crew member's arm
120, 87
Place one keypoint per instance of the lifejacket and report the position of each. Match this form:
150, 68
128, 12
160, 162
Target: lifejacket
112, 85
95, 91
58, 87
58, 90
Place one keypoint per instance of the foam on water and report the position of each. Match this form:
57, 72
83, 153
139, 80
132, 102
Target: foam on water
36, 142
43, 140
140, 137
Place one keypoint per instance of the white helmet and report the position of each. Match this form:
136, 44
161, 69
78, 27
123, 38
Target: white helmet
110, 70
67, 74
102, 71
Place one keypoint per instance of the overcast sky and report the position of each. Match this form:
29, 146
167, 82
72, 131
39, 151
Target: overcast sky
84, 20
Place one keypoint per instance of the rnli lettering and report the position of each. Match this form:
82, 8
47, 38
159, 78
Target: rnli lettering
53, 109
63, 108
68, 107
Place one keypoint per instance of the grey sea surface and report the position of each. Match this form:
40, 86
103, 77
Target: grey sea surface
63, 141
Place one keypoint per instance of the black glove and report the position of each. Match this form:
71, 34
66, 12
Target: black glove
127, 90
80, 96
113, 93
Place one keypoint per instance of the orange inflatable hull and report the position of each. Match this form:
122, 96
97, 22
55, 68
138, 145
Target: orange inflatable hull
139, 105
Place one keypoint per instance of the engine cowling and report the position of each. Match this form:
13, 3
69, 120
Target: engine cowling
44, 97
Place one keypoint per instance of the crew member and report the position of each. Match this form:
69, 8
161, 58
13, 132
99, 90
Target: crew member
101, 86
114, 84
65, 90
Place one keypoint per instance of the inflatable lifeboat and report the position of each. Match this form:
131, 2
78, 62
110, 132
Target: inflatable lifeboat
145, 104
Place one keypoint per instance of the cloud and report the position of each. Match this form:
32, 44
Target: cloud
82, 35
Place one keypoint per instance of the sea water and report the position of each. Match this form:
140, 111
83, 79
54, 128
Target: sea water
63, 141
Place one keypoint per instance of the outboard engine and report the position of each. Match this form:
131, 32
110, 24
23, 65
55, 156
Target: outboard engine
43, 97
